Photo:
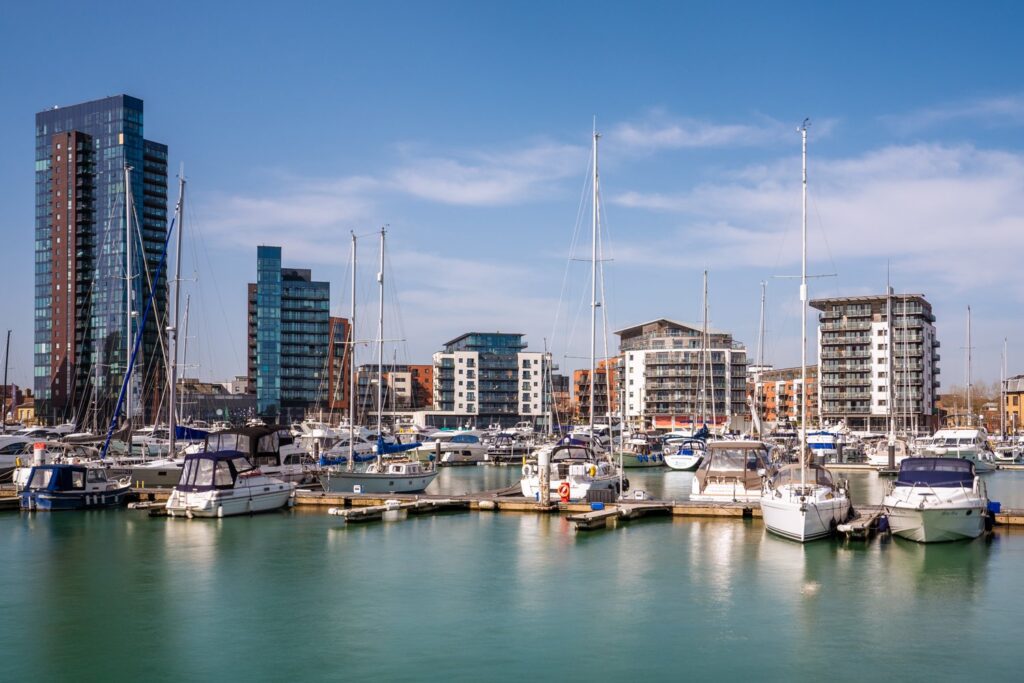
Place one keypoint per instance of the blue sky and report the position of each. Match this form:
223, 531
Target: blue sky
465, 127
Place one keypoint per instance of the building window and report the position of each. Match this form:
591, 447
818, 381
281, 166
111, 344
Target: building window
526, 374
526, 398
526, 362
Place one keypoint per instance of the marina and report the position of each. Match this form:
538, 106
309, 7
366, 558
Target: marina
374, 587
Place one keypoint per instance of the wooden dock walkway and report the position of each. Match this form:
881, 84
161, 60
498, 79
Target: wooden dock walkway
864, 523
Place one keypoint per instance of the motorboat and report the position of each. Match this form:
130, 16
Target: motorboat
453, 448
640, 451
878, 454
272, 449
803, 505
226, 483
1008, 452
71, 487
731, 471
12, 451
967, 443
824, 445
573, 467
937, 499
505, 447
685, 454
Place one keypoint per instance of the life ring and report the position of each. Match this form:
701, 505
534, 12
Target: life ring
526, 470
564, 491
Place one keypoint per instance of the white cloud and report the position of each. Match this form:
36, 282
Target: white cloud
993, 111
659, 131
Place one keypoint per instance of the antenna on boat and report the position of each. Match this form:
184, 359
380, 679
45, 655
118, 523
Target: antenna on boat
803, 308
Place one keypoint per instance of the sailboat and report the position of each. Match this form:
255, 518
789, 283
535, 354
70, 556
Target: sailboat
575, 470
801, 502
392, 475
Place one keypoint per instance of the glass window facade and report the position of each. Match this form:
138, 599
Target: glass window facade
90, 290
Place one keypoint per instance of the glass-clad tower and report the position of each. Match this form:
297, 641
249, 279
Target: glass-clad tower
80, 353
289, 335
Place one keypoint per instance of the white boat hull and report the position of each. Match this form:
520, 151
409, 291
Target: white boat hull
578, 488
376, 482
936, 525
787, 516
230, 502
684, 463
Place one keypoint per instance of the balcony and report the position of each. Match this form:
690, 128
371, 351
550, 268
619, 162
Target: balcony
832, 354
832, 339
845, 325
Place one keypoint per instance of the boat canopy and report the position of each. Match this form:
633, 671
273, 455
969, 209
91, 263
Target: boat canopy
571, 452
941, 472
250, 440
790, 474
189, 433
689, 446
63, 477
738, 460
217, 470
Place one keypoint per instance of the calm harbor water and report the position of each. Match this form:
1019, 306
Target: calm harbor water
298, 595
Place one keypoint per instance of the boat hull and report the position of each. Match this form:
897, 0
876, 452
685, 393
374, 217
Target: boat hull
231, 502
936, 525
374, 482
684, 463
54, 501
578, 489
803, 521
632, 460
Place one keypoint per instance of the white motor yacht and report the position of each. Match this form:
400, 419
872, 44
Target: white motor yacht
731, 471
225, 483
573, 467
967, 443
878, 454
453, 448
685, 454
937, 499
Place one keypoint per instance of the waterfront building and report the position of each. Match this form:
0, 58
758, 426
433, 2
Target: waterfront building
81, 249
670, 377
1013, 392
238, 385
340, 355
407, 388
213, 402
485, 378
606, 390
289, 336
561, 397
870, 366
11, 396
778, 395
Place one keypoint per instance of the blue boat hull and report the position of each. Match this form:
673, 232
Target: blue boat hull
67, 500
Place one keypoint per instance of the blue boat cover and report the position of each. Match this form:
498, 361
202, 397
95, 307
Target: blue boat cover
941, 472
190, 434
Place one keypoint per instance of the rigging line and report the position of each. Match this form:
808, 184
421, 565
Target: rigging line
824, 237
158, 322
573, 243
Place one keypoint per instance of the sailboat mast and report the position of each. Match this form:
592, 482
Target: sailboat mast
803, 309
891, 369
593, 290
3, 403
970, 405
172, 330
184, 349
352, 365
380, 354
128, 293
760, 364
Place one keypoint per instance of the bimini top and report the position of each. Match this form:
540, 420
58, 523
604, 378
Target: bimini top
940, 472
250, 440
208, 471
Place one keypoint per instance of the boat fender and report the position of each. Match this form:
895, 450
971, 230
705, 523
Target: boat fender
592, 470
990, 521
625, 484
526, 470
883, 524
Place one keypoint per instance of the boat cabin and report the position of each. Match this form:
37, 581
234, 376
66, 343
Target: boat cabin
733, 462
67, 478
936, 472
217, 470
790, 475
261, 445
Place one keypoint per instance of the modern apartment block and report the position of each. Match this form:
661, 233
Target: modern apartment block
1013, 407
340, 355
671, 377
606, 390
870, 366
777, 396
406, 388
489, 378
81, 250
289, 338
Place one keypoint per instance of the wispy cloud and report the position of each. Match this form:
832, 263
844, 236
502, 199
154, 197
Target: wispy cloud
661, 131
954, 213
1007, 110
490, 178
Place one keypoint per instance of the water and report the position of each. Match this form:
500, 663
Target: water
497, 596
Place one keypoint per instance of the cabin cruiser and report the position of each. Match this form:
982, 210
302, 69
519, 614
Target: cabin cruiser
383, 476
878, 454
574, 466
504, 447
225, 483
937, 499
271, 449
803, 505
731, 471
453, 448
71, 487
640, 451
1008, 452
685, 454
966, 443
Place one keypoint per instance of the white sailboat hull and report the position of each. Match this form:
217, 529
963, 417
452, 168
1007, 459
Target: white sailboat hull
685, 463
376, 482
786, 515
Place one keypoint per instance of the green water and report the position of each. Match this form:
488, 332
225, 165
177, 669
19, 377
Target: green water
116, 595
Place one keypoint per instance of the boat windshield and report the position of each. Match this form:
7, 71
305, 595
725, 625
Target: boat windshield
940, 472
735, 459
571, 453
40, 479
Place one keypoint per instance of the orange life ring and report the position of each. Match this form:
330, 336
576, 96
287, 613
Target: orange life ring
563, 491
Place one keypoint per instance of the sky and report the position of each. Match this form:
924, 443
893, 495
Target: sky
466, 129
